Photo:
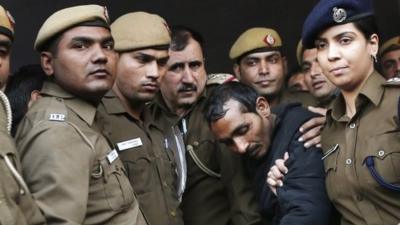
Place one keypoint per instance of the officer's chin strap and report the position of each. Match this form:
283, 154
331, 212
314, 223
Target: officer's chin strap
369, 162
9, 164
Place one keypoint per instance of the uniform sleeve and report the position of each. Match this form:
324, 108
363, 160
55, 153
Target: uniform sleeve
244, 208
56, 165
302, 198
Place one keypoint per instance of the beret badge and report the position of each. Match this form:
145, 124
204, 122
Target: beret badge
269, 40
339, 15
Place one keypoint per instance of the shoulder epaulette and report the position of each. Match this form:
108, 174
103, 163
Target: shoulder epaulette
57, 110
220, 78
395, 81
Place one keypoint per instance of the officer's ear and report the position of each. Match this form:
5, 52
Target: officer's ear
262, 107
373, 45
46, 60
236, 70
285, 66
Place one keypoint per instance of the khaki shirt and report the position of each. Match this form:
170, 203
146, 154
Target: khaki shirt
373, 131
17, 206
225, 197
69, 166
150, 166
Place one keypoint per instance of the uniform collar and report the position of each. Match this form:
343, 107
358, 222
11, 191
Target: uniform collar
82, 108
372, 91
112, 104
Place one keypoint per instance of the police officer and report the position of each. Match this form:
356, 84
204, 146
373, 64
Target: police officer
17, 206
142, 41
361, 137
217, 191
74, 174
259, 62
318, 85
389, 58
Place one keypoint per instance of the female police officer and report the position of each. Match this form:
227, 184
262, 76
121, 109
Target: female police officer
361, 138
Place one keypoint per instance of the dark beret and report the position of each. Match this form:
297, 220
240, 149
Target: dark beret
329, 13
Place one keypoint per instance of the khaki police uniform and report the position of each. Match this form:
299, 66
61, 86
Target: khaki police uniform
373, 132
72, 171
17, 206
218, 192
150, 165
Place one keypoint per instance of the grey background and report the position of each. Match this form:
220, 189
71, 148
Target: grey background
220, 21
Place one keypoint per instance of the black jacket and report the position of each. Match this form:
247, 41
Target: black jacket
302, 199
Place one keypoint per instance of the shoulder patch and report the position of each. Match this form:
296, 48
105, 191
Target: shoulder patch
220, 78
56, 110
395, 81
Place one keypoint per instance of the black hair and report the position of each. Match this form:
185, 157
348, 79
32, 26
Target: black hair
180, 36
244, 94
367, 26
296, 69
19, 88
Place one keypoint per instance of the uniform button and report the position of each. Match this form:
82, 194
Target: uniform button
165, 184
348, 161
196, 143
352, 125
21, 192
173, 213
381, 153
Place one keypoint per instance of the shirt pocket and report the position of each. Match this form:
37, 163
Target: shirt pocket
385, 151
117, 189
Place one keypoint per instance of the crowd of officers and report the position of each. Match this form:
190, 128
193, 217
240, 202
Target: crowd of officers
110, 128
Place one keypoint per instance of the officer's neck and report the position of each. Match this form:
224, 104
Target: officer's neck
133, 107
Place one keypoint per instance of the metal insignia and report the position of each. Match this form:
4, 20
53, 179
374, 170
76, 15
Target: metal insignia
106, 15
269, 40
10, 18
339, 15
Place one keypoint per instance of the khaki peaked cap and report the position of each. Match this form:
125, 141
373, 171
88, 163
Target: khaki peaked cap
391, 44
67, 18
6, 23
255, 38
139, 30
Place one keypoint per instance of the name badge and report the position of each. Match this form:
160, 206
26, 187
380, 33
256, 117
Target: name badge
133, 143
112, 156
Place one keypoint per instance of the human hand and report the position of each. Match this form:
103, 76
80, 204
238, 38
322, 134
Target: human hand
312, 128
277, 172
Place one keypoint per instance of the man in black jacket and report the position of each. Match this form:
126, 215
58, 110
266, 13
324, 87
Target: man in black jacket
242, 119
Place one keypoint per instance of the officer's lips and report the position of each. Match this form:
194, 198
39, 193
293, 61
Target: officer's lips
338, 71
100, 73
264, 83
151, 87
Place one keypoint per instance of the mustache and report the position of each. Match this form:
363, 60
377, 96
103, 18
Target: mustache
187, 87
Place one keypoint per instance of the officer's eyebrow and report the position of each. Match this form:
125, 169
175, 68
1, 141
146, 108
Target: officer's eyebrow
90, 40
6, 44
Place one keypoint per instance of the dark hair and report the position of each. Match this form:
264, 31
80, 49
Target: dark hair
245, 95
367, 26
19, 88
180, 36
296, 69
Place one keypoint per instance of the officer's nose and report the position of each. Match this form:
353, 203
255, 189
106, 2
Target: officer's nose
333, 52
152, 70
188, 75
264, 67
100, 54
